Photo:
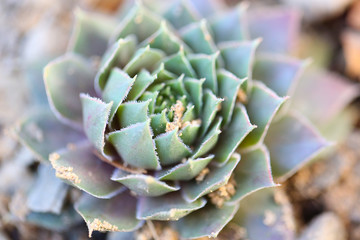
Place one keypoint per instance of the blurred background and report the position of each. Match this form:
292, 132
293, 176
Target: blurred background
325, 196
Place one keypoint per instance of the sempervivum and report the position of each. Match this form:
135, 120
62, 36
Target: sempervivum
173, 116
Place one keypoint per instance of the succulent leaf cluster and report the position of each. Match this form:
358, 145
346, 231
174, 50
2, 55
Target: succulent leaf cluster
174, 115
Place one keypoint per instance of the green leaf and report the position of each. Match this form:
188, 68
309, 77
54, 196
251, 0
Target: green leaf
139, 21
217, 177
170, 148
79, 166
206, 222
210, 108
205, 67
232, 136
181, 13
292, 142
132, 112
42, 133
179, 64
142, 82
194, 87
262, 106
65, 78
229, 86
91, 33
230, 25
116, 89
118, 54
252, 173
185, 171
95, 117
177, 85
114, 215
136, 146
162, 74
169, 207
189, 133
210, 139
144, 58
143, 185
158, 122
208, 8
197, 36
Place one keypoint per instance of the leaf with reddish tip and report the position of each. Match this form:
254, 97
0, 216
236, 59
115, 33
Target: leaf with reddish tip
91, 33
42, 133
262, 216
169, 207
115, 215
292, 142
278, 27
252, 173
95, 117
78, 166
185, 171
206, 222
231, 137
136, 146
65, 78
144, 185
278, 72
217, 177
262, 106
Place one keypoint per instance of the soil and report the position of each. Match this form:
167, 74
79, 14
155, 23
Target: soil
330, 185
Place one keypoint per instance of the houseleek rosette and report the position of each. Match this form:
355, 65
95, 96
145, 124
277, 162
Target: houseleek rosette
173, 116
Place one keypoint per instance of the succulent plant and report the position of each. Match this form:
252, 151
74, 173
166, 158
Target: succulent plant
173, 115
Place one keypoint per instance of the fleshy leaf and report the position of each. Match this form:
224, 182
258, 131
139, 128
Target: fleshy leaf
210, 108
158, 122
181, 13
261, 216
68, 76
208, 8
278, 27
189, 133
278, 72
217, 177
95, 117
115, 215
162, 74
262, 106
142, 82
229, 140
169, 207
206, 222
117, 55
205, 67
48, 193
252, 173
185, 171
170, 148
144, 58
136, 146
179, 64
150, 96
78, 166
132, 112
42, 133
239, 57
195, 89
230, 25
229, 86
292, 142
143, 185
91, 33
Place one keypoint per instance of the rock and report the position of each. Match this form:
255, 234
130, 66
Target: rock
326, 226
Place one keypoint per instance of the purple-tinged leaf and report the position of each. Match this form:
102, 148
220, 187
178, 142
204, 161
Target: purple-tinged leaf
48, 193
263, 218
169, 207
91, 33
217, 177
79, 166
95, 117
262, 106
42, 133
208, 8
206, 222
252, 173
65, 78
278, 27
292, 142
280, 73
114, 215
143, 185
